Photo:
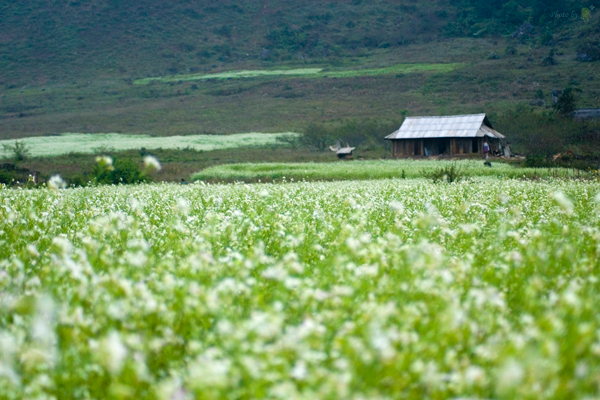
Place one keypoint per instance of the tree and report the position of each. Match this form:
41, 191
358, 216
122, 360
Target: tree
19, 151
566, 102
317, 136
549, 60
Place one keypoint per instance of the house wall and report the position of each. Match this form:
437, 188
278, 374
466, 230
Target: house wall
404, 148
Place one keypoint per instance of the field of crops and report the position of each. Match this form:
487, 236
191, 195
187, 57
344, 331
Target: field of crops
350, 290
307, 73
378, 169
46, 146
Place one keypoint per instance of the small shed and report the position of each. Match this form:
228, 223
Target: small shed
342, 152
458, 135
345, 153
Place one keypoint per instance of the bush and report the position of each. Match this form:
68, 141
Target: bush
290, 141
127, 171
7, 177
317, 136
566, 103
124, 171
449, 173
79, 181
549, 60
538, 162
589, 52
19, 151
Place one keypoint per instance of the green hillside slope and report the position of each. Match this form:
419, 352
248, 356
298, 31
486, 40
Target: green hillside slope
170, 68
53, 40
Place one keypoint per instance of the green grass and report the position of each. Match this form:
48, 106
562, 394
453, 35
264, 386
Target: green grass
390, 289
361, 170
308, 72
394, 69
46, 146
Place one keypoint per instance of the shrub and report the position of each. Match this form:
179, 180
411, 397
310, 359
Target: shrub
566, 102
124, 171
79, 180
7, 177
448, 173
549, 60
127, 171
538, 162
290, 141
317, 136
19, 151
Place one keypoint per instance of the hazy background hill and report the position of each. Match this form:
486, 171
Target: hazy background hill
70, 66
61, 39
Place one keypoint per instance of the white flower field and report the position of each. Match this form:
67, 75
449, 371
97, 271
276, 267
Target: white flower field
390, 289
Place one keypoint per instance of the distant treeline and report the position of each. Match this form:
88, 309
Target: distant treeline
478, 17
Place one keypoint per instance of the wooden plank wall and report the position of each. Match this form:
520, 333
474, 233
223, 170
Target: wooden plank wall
416, 147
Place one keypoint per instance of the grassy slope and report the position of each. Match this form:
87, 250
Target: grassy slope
282, 104
153, 38
117, 44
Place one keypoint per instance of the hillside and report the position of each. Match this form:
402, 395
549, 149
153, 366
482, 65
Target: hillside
75, 66
149, 37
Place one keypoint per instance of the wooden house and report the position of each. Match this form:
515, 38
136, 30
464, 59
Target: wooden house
460, 135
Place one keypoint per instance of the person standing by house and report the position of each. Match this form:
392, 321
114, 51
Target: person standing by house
486, 150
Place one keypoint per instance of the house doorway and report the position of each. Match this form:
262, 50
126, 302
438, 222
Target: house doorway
475, 146
442, 147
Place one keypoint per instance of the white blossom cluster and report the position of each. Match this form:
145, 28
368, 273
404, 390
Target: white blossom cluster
486, 289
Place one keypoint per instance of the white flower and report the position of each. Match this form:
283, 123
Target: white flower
113, 353
564, 202
397, 206
32, 250
209, 371
56, 182
474, 375
299, 372
136, 258
9, 374
8, 347
152, 163
42, 329
510, 376
65, 246
182, 207
105, 162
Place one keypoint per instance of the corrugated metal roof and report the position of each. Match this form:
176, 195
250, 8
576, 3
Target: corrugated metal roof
346, 150
450, 126
487, 131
